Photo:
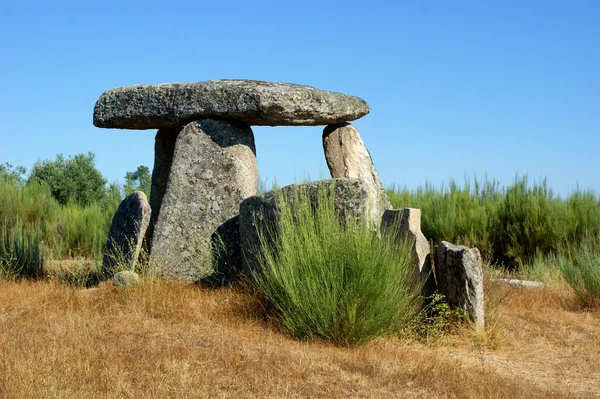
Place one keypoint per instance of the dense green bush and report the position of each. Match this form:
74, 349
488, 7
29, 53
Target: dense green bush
581, 268
334, 279
509, 225
20, 253
62, 231
73, 179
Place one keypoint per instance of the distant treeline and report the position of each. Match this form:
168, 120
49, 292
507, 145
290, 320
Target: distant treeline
65, 207
510, 225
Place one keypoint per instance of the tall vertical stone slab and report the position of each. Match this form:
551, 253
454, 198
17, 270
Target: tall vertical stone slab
126, 233
460, 279
405, 224
213, 169
164, 147
347, 157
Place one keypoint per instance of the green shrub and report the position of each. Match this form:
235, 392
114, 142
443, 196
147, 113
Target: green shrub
461, 215
509, 225
581, 269
65, 231
530, 220
20, 253
334, 279
73, 179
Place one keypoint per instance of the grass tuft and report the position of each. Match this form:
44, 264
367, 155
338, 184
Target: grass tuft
333, 278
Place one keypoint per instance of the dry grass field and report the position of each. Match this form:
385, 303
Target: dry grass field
173, 340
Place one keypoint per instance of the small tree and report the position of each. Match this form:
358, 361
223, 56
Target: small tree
8, 173
140, 180
75, 178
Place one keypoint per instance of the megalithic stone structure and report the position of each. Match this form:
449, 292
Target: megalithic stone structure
205, 162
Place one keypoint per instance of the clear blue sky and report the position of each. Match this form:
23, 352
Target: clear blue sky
455, 87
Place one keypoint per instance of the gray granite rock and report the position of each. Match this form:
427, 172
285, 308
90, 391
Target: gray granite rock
520, 283
213, 170
405, 224
259, 213
460, 279
126, 279
347, 156
126, 234
247, 101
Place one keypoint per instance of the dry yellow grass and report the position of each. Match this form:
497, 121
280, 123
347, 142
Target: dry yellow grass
173, 340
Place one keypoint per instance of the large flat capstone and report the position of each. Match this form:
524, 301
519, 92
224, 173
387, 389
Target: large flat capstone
248, 101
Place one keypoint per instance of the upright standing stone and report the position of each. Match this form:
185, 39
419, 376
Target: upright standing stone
347, 157
164, 147
126, 234
213, 170
406, 224
460, 278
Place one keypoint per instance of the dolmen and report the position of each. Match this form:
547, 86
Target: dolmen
205, 159
205, 180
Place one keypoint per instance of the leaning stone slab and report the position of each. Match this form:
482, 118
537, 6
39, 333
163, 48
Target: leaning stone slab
259, 214
347, 156
248, 101
126, 234
460, 279
405, 224
212, 171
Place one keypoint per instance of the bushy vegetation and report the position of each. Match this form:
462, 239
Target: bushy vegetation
579, 266
73, 179
509, 225
334, 278
20, 252
62, 210
56, 213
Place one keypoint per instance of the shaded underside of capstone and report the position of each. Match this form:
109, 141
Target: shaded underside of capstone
250, 102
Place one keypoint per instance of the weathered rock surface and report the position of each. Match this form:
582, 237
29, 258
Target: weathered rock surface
260, 212
213, 170
247, 101
520, 283
460, 278
126, 279
405, 224
126, 234
347, 157
164, 147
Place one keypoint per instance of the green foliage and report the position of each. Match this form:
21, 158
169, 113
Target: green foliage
435, 318
334, 279
73, 179
509, 225
140, 180
20, 253
580, 267
12, 174
64, 231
